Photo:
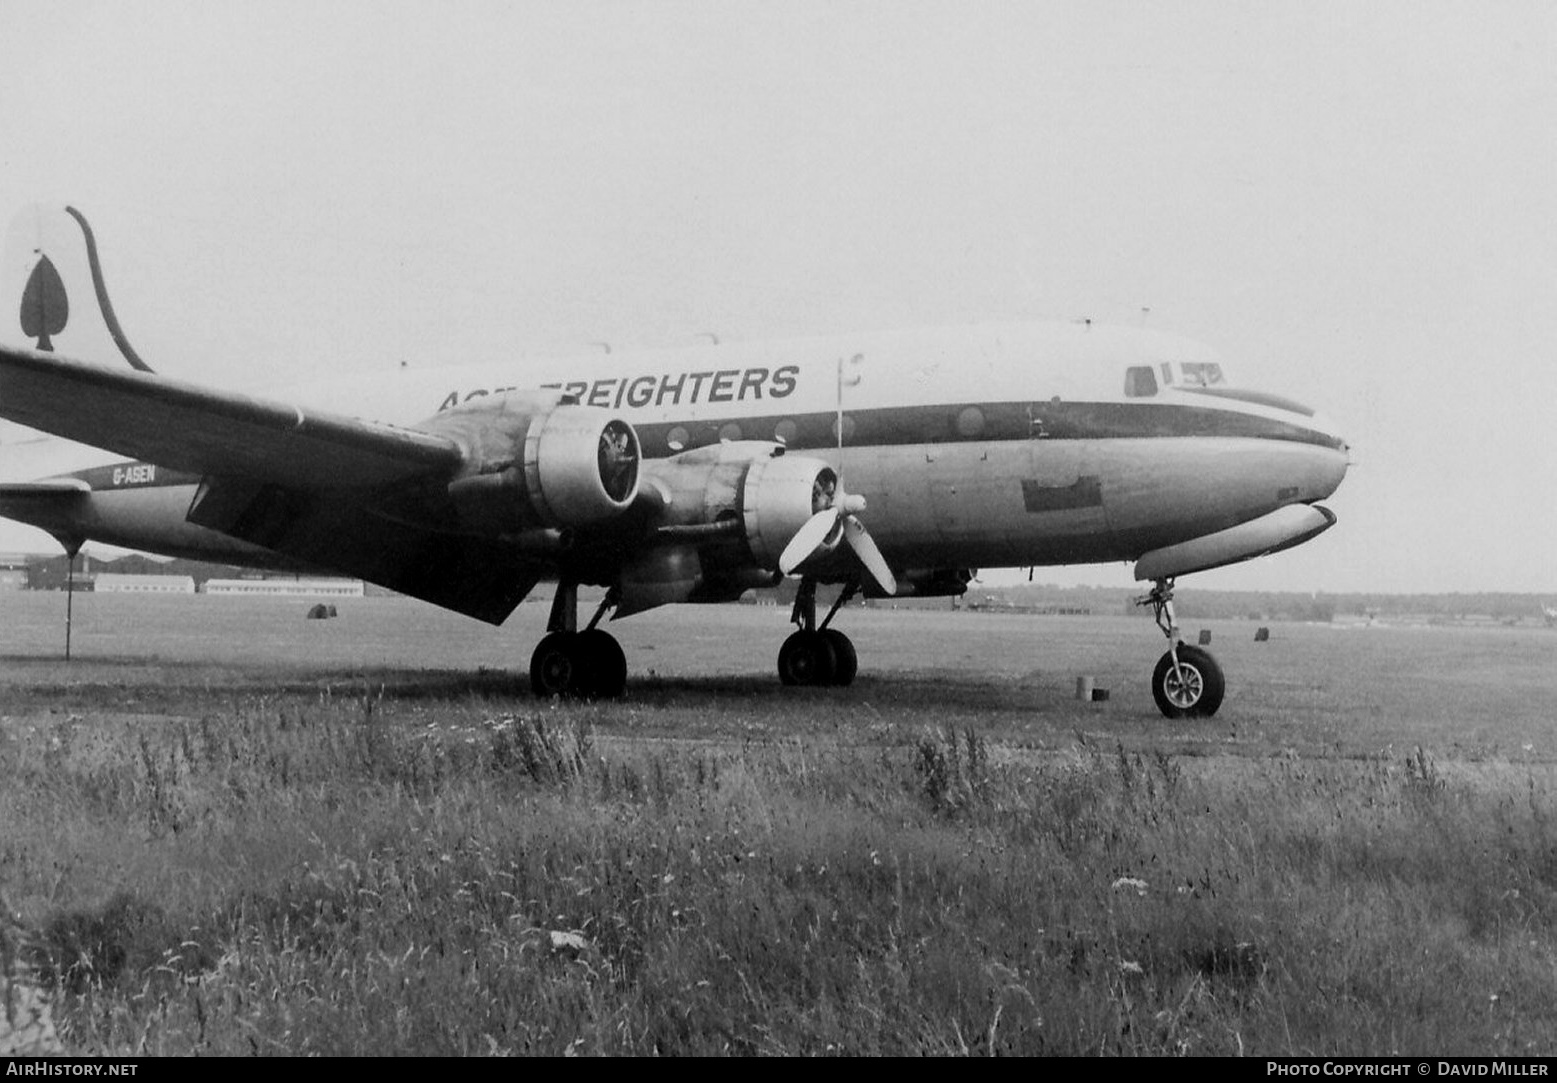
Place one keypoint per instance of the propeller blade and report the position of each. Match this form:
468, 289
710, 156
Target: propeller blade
864, 547
808, 540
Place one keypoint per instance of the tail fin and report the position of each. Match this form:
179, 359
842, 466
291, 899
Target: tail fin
53, 293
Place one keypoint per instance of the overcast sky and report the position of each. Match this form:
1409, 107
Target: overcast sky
1354, 204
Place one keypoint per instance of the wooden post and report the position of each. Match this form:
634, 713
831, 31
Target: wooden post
72, 547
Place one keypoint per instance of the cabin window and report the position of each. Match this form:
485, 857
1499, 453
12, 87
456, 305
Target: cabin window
1140, 382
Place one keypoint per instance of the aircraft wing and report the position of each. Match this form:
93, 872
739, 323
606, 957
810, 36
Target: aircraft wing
299, 483
187, 427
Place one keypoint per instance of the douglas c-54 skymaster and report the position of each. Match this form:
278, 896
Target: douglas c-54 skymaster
893, 464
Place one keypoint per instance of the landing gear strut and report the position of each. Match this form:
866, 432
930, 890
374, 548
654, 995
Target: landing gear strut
573, 664
1187, 682
818, 655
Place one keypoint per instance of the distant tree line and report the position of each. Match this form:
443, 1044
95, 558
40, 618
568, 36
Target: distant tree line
48, 573
1194, 603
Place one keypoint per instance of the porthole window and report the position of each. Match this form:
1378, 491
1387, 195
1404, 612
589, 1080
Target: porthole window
970, 422
676, 439
729, 431
784, 431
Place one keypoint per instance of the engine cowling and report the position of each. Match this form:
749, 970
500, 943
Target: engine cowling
725, 514
537, 460
778, 497
743, 501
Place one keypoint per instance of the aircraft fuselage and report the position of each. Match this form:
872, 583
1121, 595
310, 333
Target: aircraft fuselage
979, 448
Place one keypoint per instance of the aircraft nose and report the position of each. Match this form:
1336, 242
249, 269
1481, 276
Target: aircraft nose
1332, 463
1331, 434
1341, 467
1318, 469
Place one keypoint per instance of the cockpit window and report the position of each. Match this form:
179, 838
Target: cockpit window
1140, 382
1201, 373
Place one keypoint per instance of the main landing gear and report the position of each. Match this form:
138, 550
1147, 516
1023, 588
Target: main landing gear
816, 655
578, 665
1187, 682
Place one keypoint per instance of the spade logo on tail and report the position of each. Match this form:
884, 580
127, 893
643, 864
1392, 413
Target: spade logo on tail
44, 305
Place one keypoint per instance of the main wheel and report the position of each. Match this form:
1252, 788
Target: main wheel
604, 673
1195, 691
555, 666
806, 658
846, 662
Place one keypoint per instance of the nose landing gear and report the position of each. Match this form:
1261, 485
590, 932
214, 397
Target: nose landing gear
1187, 682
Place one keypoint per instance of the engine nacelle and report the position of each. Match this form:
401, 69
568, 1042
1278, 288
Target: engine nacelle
535, 460
676, 573
778, 496
658, 577
740, 502
928, 583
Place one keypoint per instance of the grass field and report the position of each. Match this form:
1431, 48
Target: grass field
229, 830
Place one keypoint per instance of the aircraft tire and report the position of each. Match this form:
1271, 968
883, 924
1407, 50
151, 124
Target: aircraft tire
604, 665
555, 666
807, 658
1200, 692
846, 661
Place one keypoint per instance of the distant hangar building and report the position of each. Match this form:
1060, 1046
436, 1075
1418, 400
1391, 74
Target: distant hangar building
286, 588
115, 583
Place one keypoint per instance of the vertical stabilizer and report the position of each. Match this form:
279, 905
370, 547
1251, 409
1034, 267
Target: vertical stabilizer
52, 293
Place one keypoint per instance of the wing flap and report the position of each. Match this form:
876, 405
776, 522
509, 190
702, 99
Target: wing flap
204, 431
480, 577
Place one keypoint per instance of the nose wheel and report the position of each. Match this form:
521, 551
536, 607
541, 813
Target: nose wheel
1189, 686
1187, 682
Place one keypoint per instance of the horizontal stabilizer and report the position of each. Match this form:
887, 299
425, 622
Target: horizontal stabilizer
51, 505
184, 426
55, 487
1281, 529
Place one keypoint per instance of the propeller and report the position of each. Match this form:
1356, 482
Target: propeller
836, 513
838, 520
